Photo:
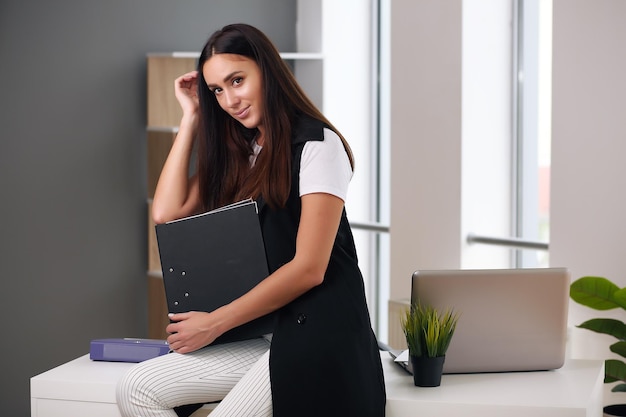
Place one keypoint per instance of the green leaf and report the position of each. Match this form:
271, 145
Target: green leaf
619, 388
611, 327
619, 348
614, 370
598, 293
620, 297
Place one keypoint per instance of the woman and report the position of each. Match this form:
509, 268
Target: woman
259, 136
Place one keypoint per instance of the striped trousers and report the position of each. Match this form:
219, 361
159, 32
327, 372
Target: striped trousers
237, 374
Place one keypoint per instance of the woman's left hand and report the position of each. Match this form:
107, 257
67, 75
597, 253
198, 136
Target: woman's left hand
191, 331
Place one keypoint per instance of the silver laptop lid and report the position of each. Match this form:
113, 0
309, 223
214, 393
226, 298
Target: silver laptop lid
511, 319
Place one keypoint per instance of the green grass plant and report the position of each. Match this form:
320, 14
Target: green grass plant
428, 332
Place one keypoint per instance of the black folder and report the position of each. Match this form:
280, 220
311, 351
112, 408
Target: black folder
208, 260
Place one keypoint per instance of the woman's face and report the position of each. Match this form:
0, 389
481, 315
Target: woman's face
237, 84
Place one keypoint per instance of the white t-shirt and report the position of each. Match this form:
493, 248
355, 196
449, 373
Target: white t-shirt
324, 166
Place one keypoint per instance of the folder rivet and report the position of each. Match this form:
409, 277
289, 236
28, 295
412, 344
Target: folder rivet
183, 273
186, 294
171, 269
175, 303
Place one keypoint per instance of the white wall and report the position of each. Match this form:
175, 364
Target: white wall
425, 131
588, 224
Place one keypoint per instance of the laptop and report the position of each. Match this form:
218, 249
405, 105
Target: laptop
510, 319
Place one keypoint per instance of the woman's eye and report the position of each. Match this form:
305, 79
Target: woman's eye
216, 90
237, 81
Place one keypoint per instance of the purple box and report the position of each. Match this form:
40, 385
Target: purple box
127, 349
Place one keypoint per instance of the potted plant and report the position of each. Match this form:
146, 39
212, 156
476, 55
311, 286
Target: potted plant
428, 334
601, 294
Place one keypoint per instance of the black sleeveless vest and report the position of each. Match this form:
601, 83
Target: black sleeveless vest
324, 357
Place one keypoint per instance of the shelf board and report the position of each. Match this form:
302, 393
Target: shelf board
164, 129
196, 55
180, 54
301, 55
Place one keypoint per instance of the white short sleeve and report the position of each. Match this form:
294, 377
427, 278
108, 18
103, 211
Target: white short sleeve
325, 167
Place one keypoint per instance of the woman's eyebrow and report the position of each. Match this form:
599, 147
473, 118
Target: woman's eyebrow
228, 77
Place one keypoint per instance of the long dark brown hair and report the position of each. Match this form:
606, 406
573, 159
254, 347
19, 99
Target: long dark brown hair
225, 145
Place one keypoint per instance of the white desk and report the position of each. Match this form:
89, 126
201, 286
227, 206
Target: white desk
85, 388
77, 388
573, 390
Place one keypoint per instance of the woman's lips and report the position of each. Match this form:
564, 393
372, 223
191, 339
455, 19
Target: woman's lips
243, 113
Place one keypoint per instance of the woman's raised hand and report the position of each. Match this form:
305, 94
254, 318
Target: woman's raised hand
186, 91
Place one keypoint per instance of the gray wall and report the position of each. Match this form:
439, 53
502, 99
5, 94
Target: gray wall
72, 167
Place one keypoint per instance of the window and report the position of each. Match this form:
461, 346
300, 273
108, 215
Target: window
516, 216
532, 104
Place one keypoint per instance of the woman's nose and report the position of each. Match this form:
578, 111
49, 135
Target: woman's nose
231, 99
